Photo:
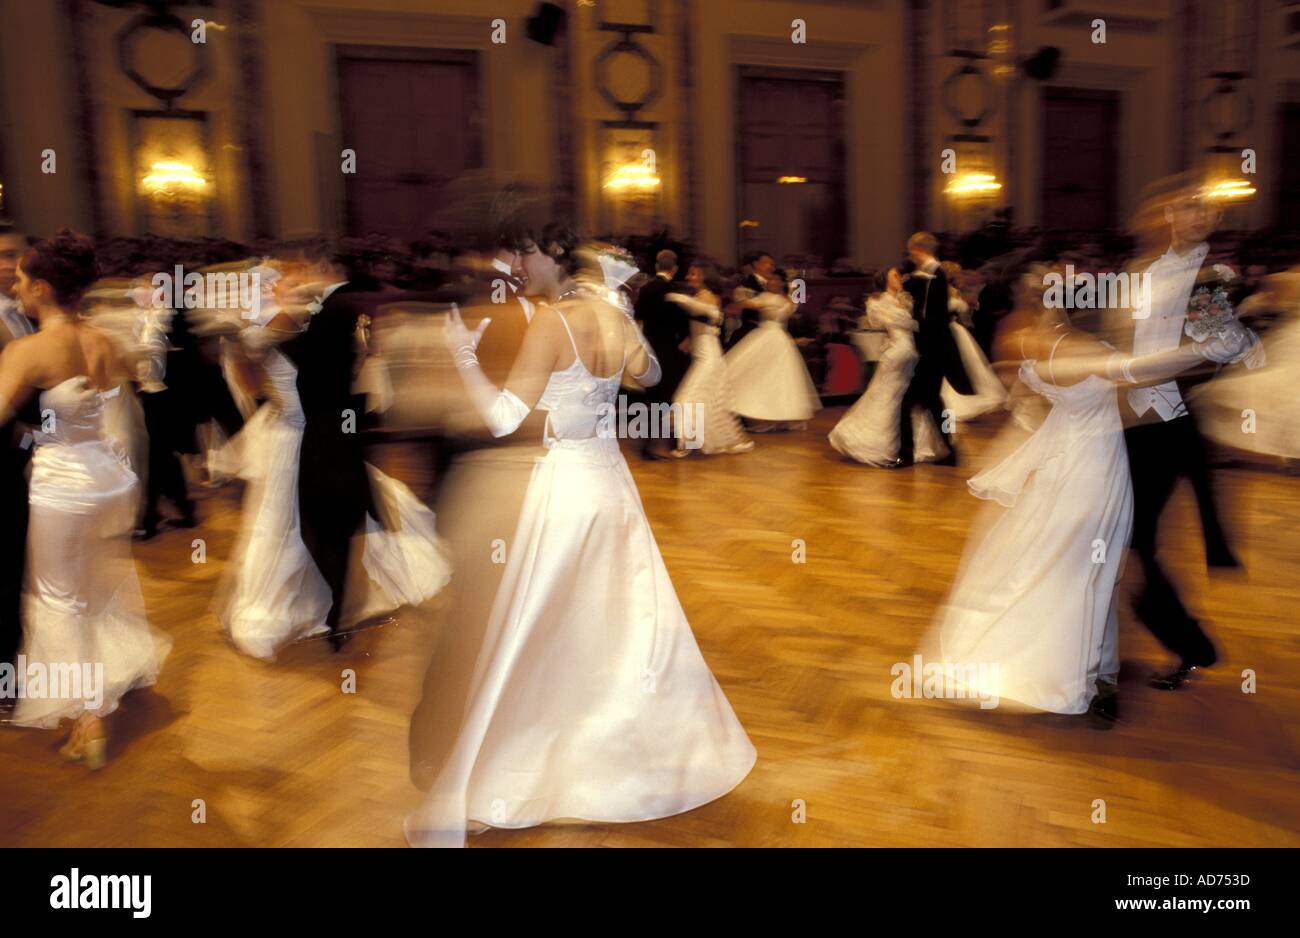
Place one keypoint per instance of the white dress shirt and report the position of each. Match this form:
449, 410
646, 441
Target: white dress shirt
1160, 328
15, 323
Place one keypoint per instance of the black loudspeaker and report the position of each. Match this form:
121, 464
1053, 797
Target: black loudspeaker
1042, 65
546, 23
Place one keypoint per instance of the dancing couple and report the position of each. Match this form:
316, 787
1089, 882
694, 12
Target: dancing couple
900, 420
1036, 597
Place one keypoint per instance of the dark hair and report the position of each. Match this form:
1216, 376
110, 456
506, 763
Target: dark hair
560, 242
66, 262
881, 280
665, 261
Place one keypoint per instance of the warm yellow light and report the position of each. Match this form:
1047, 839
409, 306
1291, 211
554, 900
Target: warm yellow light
170, 176
972, 184
791, 180
748, 223
632, 176
1229, 189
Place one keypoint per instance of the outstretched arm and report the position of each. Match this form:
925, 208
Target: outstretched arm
504, 409
1078, 358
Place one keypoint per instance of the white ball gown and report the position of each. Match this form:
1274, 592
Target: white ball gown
868, 431
278, 596
1033, 610
1257, 411
705, 389
590, 699
990, 393
82, 604
768, 377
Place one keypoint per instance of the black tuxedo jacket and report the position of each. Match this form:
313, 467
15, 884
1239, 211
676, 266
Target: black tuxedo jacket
331, 472
934, 338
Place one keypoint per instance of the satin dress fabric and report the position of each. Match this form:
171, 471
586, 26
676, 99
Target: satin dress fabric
1036, 595
868, 431
767, 374
589, 697
82, 603
277, 595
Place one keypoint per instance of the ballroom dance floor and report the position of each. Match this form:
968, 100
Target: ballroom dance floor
280, 756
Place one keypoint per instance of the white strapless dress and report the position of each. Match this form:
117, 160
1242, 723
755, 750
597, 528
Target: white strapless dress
82, 607
1033, 607
589, 699
278, 596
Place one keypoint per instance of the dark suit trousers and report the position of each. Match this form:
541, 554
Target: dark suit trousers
924, 391
165, 479
1159, 454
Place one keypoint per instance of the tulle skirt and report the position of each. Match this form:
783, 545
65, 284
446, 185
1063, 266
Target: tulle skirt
768, 377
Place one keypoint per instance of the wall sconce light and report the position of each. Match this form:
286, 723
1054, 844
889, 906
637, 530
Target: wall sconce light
1229, 189
748, 223
636, 176
170, 178
791, 180
972, 184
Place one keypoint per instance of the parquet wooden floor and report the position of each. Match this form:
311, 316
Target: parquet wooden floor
281, 757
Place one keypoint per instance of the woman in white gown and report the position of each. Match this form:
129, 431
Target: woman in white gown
278, 596
770, 384
704, 396
590, 699
868, 431
1031, 618
86, 639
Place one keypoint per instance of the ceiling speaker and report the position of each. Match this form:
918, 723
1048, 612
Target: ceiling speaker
546, 23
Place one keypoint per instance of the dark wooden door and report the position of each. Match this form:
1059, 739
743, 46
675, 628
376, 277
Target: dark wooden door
1080, 158
1289, 185
791, 124
412, 117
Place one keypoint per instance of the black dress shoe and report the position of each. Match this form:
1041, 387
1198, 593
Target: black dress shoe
1103, 712
1175, 678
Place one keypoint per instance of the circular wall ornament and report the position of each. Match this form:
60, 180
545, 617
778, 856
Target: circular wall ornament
163, 22
629, 47
969, 69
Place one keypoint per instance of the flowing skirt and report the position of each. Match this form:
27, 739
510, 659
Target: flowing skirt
589, 698
87, 641
705, 393
1032, 616
768, 377
1257, 411
990, 393
278, 596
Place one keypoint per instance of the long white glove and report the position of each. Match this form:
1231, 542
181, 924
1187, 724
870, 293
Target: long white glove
1145, 369
501, 410
695, 307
